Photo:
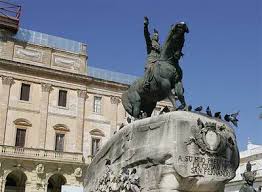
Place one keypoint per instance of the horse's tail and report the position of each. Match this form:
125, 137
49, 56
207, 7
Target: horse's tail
126, 103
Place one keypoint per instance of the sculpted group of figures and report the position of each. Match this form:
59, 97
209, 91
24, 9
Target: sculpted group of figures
125, 181
163, 75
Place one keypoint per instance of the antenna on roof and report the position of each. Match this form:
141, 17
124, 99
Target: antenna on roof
9, 16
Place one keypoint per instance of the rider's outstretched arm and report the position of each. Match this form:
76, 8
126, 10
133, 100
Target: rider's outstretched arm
147, 35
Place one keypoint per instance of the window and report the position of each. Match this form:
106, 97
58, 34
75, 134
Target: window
59, 142
95, 145
62, 98
25, 91
97, 105
20, 138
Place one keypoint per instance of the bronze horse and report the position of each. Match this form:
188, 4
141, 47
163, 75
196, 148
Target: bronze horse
166, 76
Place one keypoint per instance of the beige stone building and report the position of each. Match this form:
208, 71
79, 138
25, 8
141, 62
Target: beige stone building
55, 113
253, 154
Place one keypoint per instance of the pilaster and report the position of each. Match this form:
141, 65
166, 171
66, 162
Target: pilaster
7, 82
46, 89
114, 101
82, 96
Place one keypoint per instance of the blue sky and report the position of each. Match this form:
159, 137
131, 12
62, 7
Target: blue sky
222, 62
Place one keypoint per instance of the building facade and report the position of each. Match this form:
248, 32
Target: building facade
253, 154
56, 111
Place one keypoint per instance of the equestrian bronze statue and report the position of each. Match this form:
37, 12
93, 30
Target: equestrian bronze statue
165, 76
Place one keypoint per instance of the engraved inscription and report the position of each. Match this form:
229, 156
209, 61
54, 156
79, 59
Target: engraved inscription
207, 166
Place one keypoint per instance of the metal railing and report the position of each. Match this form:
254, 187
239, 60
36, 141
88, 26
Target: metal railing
51, 41
40, 154
10, 10
110, 75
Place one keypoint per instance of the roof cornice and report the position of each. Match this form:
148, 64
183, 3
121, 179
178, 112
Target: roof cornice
57, 74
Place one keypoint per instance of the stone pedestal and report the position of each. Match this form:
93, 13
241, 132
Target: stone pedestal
178, 151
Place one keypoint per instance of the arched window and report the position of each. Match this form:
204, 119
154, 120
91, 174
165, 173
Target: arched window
21, 125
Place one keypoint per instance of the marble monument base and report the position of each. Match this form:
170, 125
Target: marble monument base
177, 151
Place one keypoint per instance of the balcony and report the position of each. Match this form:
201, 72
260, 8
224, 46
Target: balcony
40, 154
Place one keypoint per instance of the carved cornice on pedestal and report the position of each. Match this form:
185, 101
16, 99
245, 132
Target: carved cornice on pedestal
46, 87
6, 80
115, 100
82, 94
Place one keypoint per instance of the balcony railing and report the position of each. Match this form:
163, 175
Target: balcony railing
40, 154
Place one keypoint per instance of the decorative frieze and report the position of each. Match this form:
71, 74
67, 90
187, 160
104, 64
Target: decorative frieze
6, 80
66, 62
126, 180
28, 54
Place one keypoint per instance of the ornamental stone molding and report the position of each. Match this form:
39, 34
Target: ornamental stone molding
46, 87
28, 54
22, 122
61, 127
78, 172
82, 93
125, 180
6, 80
40, 168
115, 100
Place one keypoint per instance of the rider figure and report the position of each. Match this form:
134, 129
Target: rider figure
153, 53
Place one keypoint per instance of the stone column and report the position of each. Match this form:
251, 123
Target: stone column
114, 101
82, 96
46, 89
4, 102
